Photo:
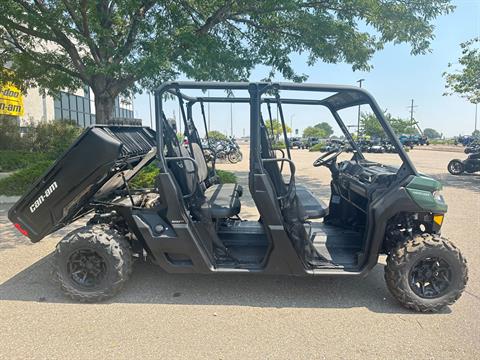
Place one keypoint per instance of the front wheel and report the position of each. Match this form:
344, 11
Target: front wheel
92, 263
426, 273
456, 167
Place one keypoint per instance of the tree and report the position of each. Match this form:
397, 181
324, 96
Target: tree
372, 127
125, 46
314, 131
466, 82
277, 129
432, 133
216, 135
326, 127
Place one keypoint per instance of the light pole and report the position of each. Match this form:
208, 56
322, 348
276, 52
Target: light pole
358, 118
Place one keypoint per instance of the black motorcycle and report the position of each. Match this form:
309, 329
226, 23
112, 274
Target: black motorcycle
470, 165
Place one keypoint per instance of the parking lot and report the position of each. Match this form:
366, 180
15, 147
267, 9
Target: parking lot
159, 315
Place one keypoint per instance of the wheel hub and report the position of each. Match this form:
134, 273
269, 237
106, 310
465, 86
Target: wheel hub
86, 268
430, 277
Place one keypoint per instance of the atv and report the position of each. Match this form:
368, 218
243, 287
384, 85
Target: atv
190, 223
470, 165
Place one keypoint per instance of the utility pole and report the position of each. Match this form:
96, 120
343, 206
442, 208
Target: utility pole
208, 109
412, 119
358, 118
476, 114
231, 119
150, 107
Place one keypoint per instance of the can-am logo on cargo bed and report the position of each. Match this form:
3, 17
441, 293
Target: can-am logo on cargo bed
42, 198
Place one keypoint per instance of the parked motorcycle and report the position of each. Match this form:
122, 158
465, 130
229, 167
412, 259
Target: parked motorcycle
224, 150
470, 165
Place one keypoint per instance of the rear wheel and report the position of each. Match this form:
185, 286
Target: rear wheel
92, 263
456, 167
426, 273
235, 157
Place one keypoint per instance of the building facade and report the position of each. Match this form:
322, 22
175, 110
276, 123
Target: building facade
78, 107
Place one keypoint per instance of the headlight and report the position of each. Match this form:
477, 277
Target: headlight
437, 195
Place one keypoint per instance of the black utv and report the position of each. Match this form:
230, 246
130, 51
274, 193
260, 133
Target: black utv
189, 222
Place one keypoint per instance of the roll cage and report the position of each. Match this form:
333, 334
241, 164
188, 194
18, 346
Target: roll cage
269, 93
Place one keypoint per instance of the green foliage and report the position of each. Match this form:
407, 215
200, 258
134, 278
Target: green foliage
279, 145
33, 154
371, 126
19, 182
431, 133
326, 127
52, 137
145, 177
322, 130
442, 142
317, 147
465, 81
9, 134
277, 129
11, 160
216, 135
226, 177
476, 133
123, 46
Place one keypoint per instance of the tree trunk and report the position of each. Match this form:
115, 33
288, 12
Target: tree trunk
104, 108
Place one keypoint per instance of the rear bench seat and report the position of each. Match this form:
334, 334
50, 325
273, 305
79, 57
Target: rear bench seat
222, 200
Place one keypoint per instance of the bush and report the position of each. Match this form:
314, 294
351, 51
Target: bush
278, 145
317, 147
442, 141
226, 177
9, 134
52, 137
19, 182
11, 160
146, 177
216, 135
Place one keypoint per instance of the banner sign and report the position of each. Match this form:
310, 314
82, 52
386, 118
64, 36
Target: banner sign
11, 100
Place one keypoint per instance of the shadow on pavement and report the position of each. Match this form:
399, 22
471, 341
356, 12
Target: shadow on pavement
151, 285
465, 181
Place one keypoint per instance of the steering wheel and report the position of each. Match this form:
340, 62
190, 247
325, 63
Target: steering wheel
327, 158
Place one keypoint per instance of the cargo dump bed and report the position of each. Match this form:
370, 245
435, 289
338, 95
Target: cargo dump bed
91, 169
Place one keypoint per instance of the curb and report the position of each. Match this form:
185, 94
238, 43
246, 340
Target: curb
8, 199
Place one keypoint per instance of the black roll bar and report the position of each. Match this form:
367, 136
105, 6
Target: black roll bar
343, 97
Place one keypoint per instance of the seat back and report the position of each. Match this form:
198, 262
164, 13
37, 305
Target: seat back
271, 168
183, 171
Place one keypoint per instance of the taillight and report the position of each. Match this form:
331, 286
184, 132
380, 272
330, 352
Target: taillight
22, 230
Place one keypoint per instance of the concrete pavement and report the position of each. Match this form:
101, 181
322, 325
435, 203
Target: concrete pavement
159, 315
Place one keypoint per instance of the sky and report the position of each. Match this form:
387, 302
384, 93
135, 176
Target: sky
396, 78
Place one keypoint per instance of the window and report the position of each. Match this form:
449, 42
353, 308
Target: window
79, 108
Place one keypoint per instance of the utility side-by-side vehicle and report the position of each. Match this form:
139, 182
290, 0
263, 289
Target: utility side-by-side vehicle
190, 223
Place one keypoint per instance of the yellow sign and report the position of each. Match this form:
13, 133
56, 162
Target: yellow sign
11, 100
